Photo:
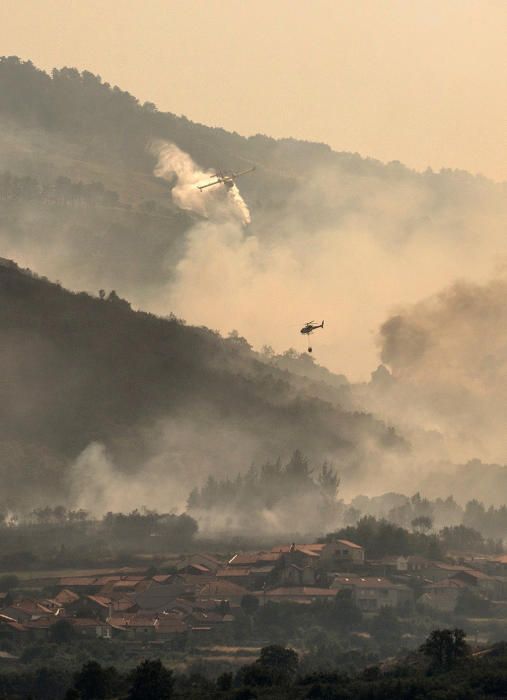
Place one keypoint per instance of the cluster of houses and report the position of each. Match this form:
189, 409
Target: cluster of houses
204, 592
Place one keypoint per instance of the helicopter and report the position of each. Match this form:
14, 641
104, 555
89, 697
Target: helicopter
308, 328
225, 177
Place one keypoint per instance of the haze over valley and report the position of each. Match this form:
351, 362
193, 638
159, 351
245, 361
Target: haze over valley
99, 193
253, 350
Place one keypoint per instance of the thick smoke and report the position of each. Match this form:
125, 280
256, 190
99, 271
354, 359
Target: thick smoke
390, 243
448, 356
345, 248
348, 247
217, 202
181, 453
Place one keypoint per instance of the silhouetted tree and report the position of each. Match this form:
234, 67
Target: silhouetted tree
62, 632
423, 523
445, 648
93, 682
250, 604
151, 681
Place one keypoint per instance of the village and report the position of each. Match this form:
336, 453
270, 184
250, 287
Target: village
204, 594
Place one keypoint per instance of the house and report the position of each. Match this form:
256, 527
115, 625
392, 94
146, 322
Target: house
222, 590
191, 582
295, 594
203, 560
257, 559
265, 575
126, 584
346, 551
148, 627
325, 555
237, 574
439, 570
405, 565
97, 606
133, 626
442, 595
39, 628
159, 597
91, 629
66, 602
371, 593
168, 627
124, 604
299, 554
200, 618
489, 586
496, 565
78, 584
25, 610
196, 570
264, 568
66, 598
10, 629
294, 575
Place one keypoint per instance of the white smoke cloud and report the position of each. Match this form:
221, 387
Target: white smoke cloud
182, 452
372, 244
448, 354
217, 203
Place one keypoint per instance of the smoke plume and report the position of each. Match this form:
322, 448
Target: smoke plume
345, 249
448, 356
217, 203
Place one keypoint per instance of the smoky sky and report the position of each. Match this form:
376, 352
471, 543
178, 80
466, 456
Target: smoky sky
344, 248
417, 81
448, 355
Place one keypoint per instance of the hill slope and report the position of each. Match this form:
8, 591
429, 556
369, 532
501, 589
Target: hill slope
348, 235
78, 370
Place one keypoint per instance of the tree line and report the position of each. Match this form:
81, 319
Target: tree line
61, 191
442, 668
426, 515
382, 538
275, 487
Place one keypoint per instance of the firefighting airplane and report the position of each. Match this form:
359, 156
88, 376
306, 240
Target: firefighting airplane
224, 177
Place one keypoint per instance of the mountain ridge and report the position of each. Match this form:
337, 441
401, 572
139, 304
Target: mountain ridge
80, 370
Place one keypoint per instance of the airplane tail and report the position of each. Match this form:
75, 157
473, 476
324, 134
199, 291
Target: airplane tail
322, 326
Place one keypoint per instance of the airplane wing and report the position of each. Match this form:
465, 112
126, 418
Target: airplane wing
209, 184
243, 172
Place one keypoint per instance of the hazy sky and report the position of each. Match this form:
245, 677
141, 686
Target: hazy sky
421, 81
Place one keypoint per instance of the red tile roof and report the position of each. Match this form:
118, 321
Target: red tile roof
84, 622
103, 601
253, 558
299, 591
70, 581
368, 582
232, 571
350, 544
170, 626
10, 622
66, 597
221, 589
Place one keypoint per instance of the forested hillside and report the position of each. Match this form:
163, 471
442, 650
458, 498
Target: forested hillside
79, 204
79, 201
116, 128
78, 370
